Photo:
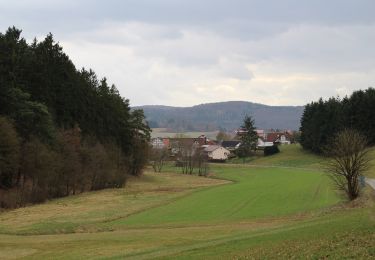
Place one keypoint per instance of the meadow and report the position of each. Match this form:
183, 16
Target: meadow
281, 206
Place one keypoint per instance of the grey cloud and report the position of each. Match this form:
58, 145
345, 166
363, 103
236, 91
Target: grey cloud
81, 15
296, 49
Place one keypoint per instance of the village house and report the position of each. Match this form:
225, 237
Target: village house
178, 144
270, 138
277, 137
216, 153
265, 139
263, 143
157, 143
160, 143
284, 138
231, 145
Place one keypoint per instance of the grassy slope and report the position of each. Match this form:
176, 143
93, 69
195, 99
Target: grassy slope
291, 156
256, 193
267, 212
338, 235
294, 156
87, 212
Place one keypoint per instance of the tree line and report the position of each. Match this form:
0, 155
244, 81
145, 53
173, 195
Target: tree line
62, 130
323, 119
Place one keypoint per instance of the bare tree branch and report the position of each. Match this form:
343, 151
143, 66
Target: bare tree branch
349, 160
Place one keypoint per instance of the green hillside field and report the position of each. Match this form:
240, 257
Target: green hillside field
282, 206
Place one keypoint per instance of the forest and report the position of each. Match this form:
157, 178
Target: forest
225, 116
321, 120
62, 130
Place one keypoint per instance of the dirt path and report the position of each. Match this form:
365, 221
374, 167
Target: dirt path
371, 182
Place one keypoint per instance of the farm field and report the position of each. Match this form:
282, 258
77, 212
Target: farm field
244, 211
293, 156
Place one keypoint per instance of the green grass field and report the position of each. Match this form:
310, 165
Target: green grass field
265, 209
256, 193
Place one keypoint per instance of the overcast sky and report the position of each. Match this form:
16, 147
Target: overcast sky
182, 53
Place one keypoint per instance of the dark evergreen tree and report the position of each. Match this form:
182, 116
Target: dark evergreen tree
248, 137
322, 120
81, 133
9, 153
359, 109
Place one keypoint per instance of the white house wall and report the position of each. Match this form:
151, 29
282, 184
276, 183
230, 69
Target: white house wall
219, 154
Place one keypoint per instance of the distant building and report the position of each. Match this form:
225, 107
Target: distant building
216, 153
270, 138
231, 145
263, 143
160, 143
178, 144
157, 143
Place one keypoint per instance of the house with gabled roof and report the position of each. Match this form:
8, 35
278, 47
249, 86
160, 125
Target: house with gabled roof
271, 138
176, 144
216, 153
231, 145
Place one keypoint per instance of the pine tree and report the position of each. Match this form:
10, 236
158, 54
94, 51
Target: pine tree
47, 99
248, 137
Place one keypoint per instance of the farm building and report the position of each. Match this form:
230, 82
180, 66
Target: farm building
160, 143
231, 145
216, 153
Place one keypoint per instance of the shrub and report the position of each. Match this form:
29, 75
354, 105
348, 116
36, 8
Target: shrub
270, 150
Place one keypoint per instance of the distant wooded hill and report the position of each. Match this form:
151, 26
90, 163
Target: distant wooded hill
222, 115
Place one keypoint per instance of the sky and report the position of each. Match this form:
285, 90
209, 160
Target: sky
188, 52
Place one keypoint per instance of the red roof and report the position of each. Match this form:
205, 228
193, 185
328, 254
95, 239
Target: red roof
166, 142
274, 136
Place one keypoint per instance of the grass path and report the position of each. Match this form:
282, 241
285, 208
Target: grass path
371, 182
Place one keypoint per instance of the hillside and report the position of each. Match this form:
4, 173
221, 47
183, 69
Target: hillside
246, 211
222, 115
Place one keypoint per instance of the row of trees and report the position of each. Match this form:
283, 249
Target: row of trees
322, 120
342, 129
193, 159
190, 157
63, 130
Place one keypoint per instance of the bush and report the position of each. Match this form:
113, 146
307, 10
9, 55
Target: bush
270, 150
349, 160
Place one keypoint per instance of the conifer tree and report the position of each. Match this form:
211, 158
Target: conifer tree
248, 137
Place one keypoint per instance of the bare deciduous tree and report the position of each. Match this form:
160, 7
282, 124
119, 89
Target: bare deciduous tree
201, 160
158, 157
191, 159
187, 158
349, 160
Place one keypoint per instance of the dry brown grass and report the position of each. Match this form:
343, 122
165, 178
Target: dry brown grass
83, 210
